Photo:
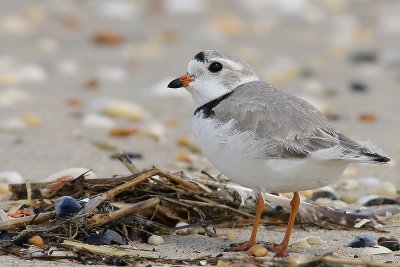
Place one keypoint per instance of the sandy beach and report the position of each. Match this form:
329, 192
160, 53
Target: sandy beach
62, 63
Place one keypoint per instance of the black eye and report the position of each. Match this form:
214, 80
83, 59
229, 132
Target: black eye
215, 67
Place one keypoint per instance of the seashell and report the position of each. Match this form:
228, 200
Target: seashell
107, 237
185, 157
67, 67
154, 130
299, 244
74, 172
349, 198
231, 235
123, 110
118, 10
185, 7
36, 241
155, 240
112, 74
350, 172
31, 120
373, 200
13, 125
393, 245
123, 132
315, 240
32, 73
258, 251
183, 231
97, 121
66, 206
361, 223
3, 215
347, 184
323, 194
13, 96
306, 243
5, 235
367, 117
18, 213
108, 38
358, 87
337, 204
375, 250
362, 241
11, 177
386, 189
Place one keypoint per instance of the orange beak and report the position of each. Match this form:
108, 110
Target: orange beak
182, 81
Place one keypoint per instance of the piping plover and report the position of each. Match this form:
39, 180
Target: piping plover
262, 137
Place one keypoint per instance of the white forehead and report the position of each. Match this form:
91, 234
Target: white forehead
196, 66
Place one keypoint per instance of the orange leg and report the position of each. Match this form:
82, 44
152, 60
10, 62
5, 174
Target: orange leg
293, 212
253, 238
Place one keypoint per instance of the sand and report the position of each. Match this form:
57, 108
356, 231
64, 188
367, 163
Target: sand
283, 42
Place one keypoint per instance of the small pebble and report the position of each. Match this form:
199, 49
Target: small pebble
32, 120
108, 38
66, 206
154, 130
364, 56
107, 237
367, 117
185, 157
358, 87
258, 251
155, 240
123, 110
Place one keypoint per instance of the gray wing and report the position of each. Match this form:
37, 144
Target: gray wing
293, 127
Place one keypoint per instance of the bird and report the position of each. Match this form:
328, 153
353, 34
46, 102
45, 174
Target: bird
262, 137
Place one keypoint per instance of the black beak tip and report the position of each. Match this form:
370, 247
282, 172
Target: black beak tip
177, 83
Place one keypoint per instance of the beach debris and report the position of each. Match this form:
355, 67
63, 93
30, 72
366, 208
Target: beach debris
75, 172
36, 241
122, 110
155, 240
123, 131
374, 250
258, 251
92, 120
386, 189
367, 117
358, 87
181, 228
66, 206
374, 200
362, 241
306, 243
106, 237
108, 38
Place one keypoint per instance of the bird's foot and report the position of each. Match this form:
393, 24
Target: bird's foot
240, 246
280, 250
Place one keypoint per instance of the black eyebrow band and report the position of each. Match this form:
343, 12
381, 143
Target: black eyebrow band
200, 57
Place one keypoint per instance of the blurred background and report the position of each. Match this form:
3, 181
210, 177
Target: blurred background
82, 80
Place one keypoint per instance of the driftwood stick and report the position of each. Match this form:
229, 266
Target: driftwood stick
110, 194
23, 221
179, 181
100, 219
128, 163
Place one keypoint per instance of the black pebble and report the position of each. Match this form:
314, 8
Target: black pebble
391, 244
358, 87
108, 237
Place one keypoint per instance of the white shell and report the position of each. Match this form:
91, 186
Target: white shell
97, 121
376, 250
306, 243
116, 108
74, 172
154, 130
183, 231
386, 189
155, 240
11, 177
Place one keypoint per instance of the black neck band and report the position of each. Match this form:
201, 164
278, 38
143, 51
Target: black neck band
207, 108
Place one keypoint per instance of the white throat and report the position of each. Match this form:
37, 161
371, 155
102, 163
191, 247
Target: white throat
205, 91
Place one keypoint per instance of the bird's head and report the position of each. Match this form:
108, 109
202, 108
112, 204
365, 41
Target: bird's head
211, 74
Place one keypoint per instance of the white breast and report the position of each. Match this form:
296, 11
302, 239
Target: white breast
243, 158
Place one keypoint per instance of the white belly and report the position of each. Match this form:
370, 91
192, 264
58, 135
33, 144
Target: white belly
241, 157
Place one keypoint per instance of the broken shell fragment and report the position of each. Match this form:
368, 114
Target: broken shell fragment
123, 110
258, 251
375, 250
183, 231
362, 241
231, 235
36, 241
74, 172
155, 240
66, 206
